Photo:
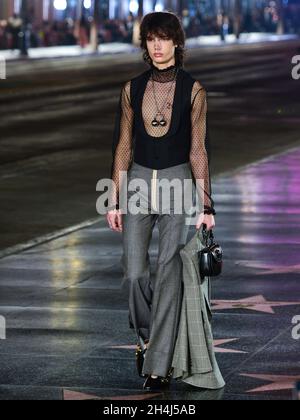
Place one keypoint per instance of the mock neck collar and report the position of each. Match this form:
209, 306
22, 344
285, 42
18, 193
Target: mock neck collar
163, 75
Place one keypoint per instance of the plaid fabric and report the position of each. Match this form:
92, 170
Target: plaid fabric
194, 359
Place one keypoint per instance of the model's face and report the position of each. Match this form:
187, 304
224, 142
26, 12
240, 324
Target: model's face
161, 50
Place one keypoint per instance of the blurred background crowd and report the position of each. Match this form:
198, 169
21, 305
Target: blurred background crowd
75, 22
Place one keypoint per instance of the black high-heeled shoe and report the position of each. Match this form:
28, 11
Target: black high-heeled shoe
140, 355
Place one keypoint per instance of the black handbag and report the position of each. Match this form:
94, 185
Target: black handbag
210, 257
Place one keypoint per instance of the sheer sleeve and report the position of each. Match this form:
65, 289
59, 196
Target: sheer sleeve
199, 154
122, 143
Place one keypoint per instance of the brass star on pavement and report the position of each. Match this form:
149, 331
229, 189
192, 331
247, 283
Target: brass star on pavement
278, 382
253, 303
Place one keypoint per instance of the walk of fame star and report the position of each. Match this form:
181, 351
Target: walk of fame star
254, 303
279, 382
69, 395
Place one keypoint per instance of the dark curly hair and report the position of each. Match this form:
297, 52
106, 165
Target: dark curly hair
165, 25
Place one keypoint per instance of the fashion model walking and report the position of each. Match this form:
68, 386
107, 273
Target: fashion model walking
160, 133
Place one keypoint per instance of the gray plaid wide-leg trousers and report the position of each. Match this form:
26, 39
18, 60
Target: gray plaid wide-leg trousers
154, 309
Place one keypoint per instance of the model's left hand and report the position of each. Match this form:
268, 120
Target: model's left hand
207, 219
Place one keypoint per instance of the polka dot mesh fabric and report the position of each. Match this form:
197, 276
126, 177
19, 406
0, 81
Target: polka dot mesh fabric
198, 153
123, 152
164, 83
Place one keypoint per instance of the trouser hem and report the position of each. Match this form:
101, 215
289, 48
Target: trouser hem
156, 363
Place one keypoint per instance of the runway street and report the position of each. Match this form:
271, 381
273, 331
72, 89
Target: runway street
57, 122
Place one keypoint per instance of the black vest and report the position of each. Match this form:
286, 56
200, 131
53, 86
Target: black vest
171, 149
174, 147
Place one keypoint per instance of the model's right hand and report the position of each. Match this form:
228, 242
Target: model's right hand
206, 219
114, 220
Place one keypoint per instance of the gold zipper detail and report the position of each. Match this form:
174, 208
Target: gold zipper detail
153, 189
